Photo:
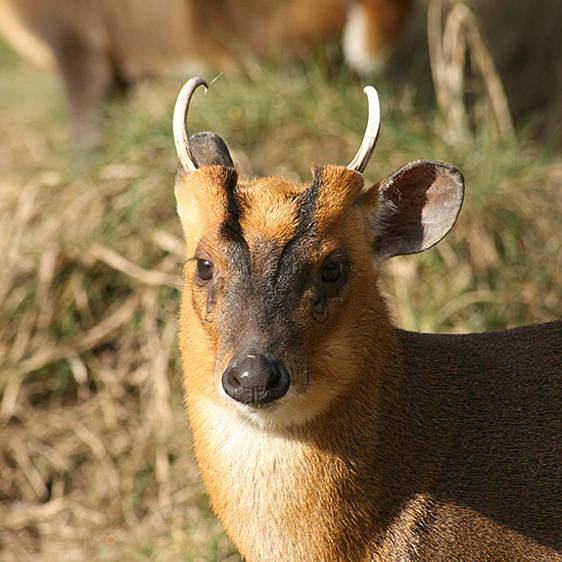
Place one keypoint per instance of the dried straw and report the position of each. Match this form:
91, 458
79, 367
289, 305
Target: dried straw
449, 46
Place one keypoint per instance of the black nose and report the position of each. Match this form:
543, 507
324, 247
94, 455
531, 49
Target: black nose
256, 380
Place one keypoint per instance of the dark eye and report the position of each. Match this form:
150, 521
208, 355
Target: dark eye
332, 276
205, 269
332, 272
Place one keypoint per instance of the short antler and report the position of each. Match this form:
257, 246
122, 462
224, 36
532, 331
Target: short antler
361, 159
188, 161
181, 136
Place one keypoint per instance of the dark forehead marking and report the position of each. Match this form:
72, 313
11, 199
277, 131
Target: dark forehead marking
307, 203
230, 229
306, 207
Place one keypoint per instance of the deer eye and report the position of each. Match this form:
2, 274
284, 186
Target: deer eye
332, 272
333, 275
205, 269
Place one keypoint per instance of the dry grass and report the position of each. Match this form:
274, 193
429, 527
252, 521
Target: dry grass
95, 453
450, 44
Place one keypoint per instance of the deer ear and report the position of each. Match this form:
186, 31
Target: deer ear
417, 206
208, 149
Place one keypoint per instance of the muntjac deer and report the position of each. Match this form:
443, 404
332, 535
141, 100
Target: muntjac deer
322, 432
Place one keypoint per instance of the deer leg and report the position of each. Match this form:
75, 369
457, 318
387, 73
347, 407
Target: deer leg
87, 76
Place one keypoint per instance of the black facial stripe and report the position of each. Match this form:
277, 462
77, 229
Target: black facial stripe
230, 229
307, 203
305, 224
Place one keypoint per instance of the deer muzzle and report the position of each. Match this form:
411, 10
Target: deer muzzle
256, 380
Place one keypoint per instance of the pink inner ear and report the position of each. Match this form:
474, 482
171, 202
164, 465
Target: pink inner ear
418, 205
442, 206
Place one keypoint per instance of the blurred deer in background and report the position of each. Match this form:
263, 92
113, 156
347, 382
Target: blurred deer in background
100, 46
322, 432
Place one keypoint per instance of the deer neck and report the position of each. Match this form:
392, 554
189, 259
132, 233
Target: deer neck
339, 479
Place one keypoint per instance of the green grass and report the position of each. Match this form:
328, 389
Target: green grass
90, 377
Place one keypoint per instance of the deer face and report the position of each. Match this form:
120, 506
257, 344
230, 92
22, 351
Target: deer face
274, 279
280, 311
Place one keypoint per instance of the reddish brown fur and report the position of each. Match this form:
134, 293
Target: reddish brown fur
391, 445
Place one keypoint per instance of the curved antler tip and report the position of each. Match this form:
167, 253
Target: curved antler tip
371, 93
181, 136
361, 159
198, 81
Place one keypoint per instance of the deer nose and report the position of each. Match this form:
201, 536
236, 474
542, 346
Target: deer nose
256, 380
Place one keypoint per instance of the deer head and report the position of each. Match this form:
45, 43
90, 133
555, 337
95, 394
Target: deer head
280, 312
